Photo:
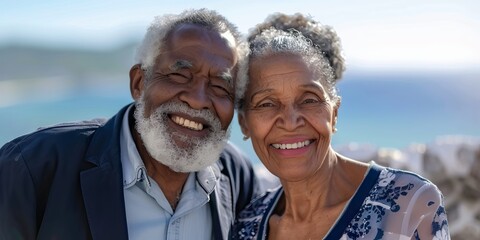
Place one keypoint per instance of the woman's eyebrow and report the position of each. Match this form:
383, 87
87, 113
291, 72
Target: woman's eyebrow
262, 91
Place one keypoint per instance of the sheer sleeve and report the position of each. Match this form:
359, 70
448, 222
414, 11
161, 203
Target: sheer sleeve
428, 214
415, 207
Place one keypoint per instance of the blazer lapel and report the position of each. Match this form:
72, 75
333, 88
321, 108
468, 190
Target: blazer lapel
104, 203
102, 185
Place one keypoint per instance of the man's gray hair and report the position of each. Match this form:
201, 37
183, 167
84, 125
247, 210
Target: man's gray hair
156, 34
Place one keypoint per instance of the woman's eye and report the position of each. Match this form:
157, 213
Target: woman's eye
310, 100
265, 105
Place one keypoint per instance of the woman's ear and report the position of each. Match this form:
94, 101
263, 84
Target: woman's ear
137, 78
335, 114
242, 123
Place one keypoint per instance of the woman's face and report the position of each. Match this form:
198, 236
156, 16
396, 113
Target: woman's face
288, 116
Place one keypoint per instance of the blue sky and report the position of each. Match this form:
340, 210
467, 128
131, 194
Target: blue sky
435, 34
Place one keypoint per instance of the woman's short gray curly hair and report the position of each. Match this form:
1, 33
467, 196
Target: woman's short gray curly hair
159, 29
297, 34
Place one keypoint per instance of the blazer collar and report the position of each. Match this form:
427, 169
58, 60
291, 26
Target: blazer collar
102, 185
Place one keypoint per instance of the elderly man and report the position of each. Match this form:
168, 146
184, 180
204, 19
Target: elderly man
159, 169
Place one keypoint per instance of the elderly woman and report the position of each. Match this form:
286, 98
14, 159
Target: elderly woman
288, 106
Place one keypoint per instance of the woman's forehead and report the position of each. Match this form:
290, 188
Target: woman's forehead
278, 66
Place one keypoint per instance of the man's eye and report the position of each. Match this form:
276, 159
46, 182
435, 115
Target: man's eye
221, 91
177, 77
220, 88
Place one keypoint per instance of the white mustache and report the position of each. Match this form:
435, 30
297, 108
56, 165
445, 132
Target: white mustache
208, 116
159, 143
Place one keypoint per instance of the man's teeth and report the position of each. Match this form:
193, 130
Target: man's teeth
187, 123
291, 145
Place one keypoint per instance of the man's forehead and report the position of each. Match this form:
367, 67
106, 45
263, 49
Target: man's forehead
173, 61
189, 31
196, 32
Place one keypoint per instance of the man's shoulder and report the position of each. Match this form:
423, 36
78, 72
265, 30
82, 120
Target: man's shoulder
96, 122
68, 129
237, 161
232, 150
63, 133
232, 156
46, 139
59, 131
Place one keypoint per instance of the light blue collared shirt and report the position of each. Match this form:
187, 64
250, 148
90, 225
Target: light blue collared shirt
149, 215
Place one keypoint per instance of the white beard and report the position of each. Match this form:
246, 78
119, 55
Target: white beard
200, 153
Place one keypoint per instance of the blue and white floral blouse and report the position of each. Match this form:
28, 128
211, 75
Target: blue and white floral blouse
388, 204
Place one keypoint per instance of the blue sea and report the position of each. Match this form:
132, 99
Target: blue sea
383, 109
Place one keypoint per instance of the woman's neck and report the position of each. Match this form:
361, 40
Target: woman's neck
304, 198
309, 208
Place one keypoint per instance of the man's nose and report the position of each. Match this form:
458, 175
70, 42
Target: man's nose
196, 95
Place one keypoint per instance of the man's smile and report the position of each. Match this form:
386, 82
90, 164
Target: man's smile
187, 123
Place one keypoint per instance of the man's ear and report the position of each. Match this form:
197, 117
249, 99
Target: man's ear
137, 78
243, 125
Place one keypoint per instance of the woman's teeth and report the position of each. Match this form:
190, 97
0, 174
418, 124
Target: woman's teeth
291, 145
187, 123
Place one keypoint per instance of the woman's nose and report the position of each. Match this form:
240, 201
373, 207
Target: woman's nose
290, 118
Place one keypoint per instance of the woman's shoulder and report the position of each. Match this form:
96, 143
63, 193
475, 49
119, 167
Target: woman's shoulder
259, 205
396, 196
394, 177
250, 220
396, 184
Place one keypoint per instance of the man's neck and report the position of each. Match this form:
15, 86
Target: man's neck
171, 183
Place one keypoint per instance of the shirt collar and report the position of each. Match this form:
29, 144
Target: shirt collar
132, 164
207, 178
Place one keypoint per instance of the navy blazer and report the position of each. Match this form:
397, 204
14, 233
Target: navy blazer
65, 182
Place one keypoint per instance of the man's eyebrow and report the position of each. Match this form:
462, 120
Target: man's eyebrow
227, 77
180, 64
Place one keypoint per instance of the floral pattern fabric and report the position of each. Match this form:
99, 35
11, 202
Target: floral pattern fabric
388, 204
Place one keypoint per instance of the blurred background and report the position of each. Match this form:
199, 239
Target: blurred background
409, 95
